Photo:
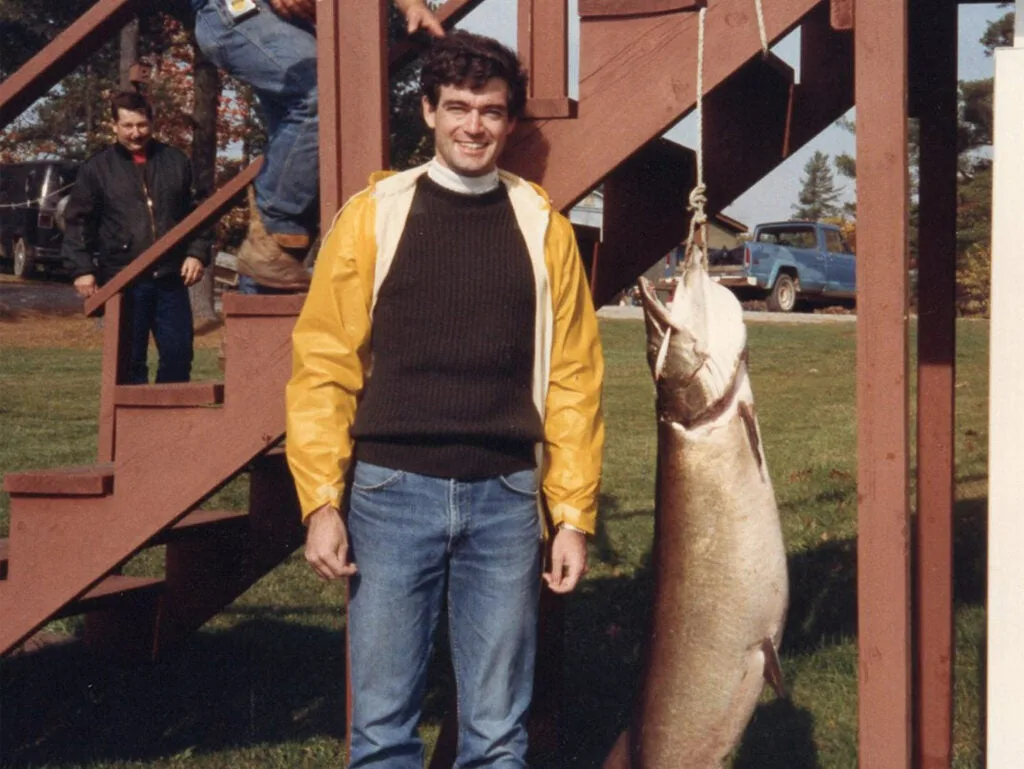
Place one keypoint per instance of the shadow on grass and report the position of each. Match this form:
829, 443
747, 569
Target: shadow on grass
267, 681
780, 736
605, 631
261, 682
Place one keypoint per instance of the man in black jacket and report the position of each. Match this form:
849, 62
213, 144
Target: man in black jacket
125, 198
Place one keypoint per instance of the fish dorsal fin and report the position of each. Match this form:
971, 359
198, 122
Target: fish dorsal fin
773, 667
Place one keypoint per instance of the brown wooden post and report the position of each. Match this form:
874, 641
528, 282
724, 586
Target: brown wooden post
543, 49
352, 72
330, 110
363, 92
934, 26
883, 564
353, 81
115, 363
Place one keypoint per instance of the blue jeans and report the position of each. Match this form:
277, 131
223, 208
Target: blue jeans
160, 306
412, 536
278, 59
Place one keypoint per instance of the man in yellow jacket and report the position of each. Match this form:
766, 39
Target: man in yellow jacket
466, 425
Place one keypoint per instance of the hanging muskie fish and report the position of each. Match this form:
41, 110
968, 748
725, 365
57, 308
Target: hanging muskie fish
720, 566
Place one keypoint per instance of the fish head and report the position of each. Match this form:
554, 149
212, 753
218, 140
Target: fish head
694, 347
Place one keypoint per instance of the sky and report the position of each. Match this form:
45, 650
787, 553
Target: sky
773, 197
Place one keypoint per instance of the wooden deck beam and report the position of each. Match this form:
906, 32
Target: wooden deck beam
934, 86
883, 549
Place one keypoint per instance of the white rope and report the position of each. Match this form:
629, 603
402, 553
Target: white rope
696, 256
698, 196
761, 27
38, 201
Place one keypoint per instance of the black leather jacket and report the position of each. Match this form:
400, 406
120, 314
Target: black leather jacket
119, 208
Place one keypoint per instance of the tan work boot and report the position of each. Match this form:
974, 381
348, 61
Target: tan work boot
267, 261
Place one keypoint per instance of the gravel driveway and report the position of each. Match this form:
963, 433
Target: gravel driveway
48, 297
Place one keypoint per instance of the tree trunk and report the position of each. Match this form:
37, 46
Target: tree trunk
129, 54
206, 94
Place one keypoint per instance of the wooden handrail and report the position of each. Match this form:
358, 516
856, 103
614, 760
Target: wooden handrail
209, 210
65, 52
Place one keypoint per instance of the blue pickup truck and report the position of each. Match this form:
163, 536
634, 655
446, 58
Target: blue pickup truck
787, 262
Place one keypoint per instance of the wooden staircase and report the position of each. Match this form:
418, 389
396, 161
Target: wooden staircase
638, 78
166, 449
71, 529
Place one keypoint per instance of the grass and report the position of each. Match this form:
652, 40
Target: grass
262, 685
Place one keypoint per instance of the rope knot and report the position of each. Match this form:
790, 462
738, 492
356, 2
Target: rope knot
697, 204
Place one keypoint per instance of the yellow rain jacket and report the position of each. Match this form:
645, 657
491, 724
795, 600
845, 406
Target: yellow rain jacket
332, 349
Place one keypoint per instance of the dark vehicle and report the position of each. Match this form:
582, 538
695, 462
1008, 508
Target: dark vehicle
33, 196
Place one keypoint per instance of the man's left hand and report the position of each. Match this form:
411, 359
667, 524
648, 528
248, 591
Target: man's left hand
304, 10
191, 270
568, 560
418, 16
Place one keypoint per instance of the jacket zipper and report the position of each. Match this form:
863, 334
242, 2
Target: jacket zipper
149, 203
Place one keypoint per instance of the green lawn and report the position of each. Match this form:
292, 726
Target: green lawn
263, 684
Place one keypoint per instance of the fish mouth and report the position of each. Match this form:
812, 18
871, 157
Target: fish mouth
654, 308
651, 304
661, 327
695, 347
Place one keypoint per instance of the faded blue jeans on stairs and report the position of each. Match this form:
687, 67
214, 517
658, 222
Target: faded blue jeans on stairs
161, 307
278, 59
413, 537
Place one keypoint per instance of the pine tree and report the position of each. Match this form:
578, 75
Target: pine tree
819, 196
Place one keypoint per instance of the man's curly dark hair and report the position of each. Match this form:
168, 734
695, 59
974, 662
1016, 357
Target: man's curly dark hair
465, 60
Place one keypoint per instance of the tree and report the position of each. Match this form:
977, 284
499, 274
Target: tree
819, 196
411, 142
999, 33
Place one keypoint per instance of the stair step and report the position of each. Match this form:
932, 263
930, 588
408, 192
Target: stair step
82, 481
112, 591
5, 556
202, 521
178, 394
235, 304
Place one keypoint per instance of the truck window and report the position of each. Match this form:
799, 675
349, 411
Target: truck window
834, 242
798, 236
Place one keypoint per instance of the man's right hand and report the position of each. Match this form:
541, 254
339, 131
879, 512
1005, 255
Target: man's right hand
304, 10
327, 544
85, 285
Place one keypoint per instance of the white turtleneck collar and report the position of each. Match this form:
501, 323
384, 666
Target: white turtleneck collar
467, 185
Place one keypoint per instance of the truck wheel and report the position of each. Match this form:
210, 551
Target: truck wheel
23, 265
783, 295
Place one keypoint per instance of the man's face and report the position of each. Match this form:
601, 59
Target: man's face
132, 129
470, 126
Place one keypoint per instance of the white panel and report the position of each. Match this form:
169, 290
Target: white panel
1005, 670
